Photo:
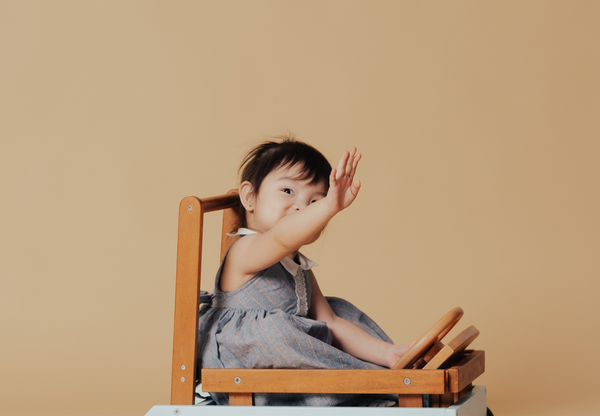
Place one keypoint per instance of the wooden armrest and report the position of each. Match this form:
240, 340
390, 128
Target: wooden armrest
323, 381
243, 380
466, 370
216, 203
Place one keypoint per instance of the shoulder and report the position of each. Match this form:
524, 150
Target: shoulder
235, 272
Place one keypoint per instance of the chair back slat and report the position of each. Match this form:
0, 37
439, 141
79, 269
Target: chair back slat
187, 287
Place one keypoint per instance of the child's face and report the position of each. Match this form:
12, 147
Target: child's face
282, 193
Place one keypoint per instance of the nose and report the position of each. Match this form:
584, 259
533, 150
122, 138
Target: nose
299, 205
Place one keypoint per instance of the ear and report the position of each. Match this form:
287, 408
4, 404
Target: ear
247, 196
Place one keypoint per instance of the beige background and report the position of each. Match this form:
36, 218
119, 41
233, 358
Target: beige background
480, 132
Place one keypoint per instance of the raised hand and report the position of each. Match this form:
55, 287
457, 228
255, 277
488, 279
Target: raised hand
343, 188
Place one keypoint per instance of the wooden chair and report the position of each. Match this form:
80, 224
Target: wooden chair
444, 380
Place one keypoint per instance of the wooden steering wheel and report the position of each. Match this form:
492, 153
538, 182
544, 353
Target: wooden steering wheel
431, 337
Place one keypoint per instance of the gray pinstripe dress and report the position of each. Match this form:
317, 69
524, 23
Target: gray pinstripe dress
263, 324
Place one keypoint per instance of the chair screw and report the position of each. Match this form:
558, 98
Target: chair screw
182, 379
183, 367
407, 381
176, 412
237, 380
189, 207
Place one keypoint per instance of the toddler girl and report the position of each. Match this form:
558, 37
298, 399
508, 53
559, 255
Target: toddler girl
267, 310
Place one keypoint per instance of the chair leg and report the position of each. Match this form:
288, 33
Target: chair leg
240, 399
465, 391
446, 399
410, 400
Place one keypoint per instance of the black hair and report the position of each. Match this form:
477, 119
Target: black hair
287, 151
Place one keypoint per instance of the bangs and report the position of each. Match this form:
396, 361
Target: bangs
288, 153
314, 173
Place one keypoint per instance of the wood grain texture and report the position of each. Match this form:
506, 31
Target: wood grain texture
453, 348
432, 336
410, 400
466, 370
240, 399
230, 221
324, 381
187, 289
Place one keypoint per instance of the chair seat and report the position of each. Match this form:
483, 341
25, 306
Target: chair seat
241, 383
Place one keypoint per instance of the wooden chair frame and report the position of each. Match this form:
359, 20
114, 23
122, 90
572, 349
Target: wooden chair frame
444, 386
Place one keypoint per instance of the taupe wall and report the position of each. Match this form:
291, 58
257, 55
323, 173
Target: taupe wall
479, 127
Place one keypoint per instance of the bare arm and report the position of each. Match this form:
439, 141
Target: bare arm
290, 233
349, 337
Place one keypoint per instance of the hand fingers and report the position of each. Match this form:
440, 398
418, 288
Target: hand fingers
332, 177
342, 165
352, 163
348, 163
350, 160
355, 161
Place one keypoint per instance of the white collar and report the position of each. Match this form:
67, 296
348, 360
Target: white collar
290, 265
242, 231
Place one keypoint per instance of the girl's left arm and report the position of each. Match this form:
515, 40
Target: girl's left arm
349, 337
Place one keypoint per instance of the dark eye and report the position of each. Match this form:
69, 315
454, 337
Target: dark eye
288, 191
313, 201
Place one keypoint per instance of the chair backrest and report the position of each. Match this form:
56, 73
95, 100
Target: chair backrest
187, 290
